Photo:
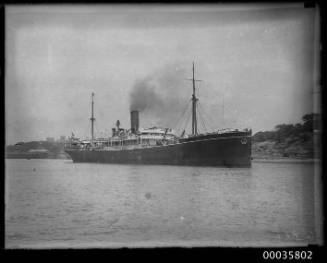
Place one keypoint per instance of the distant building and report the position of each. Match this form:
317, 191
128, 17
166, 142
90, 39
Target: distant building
62, 138
50, 139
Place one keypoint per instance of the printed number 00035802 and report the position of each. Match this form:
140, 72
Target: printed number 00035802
287, 255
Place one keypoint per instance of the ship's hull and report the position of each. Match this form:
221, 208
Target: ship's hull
233, 151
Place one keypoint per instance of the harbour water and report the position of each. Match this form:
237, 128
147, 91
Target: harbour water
58, 203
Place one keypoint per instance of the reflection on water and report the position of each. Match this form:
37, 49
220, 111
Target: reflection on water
59, 203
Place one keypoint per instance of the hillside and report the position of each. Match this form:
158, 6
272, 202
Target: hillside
288, 140
55, 150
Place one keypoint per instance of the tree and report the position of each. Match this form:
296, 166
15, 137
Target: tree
308, 122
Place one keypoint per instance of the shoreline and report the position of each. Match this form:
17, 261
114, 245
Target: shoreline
284, 160
254, 159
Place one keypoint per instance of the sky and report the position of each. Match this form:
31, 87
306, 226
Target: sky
257, 63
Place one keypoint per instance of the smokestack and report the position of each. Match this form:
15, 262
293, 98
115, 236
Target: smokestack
134, 121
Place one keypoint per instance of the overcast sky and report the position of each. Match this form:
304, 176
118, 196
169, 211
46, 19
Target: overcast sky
258, 60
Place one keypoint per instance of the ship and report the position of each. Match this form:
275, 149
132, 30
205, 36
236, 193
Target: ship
162, 146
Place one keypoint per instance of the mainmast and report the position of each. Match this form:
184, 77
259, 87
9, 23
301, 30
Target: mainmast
194, 100
92, 118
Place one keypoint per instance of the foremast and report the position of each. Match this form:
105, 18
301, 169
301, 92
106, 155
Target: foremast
194, 100
92, 118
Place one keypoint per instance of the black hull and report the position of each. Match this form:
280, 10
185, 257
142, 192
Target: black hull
225, 152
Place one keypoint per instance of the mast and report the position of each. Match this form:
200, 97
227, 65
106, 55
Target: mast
92, 118
223, 105
194, 123
194, 100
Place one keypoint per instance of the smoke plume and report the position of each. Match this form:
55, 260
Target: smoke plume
161, 97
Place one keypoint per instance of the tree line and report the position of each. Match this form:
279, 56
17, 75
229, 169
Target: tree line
299, 131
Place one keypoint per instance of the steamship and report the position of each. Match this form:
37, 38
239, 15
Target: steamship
226, 148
